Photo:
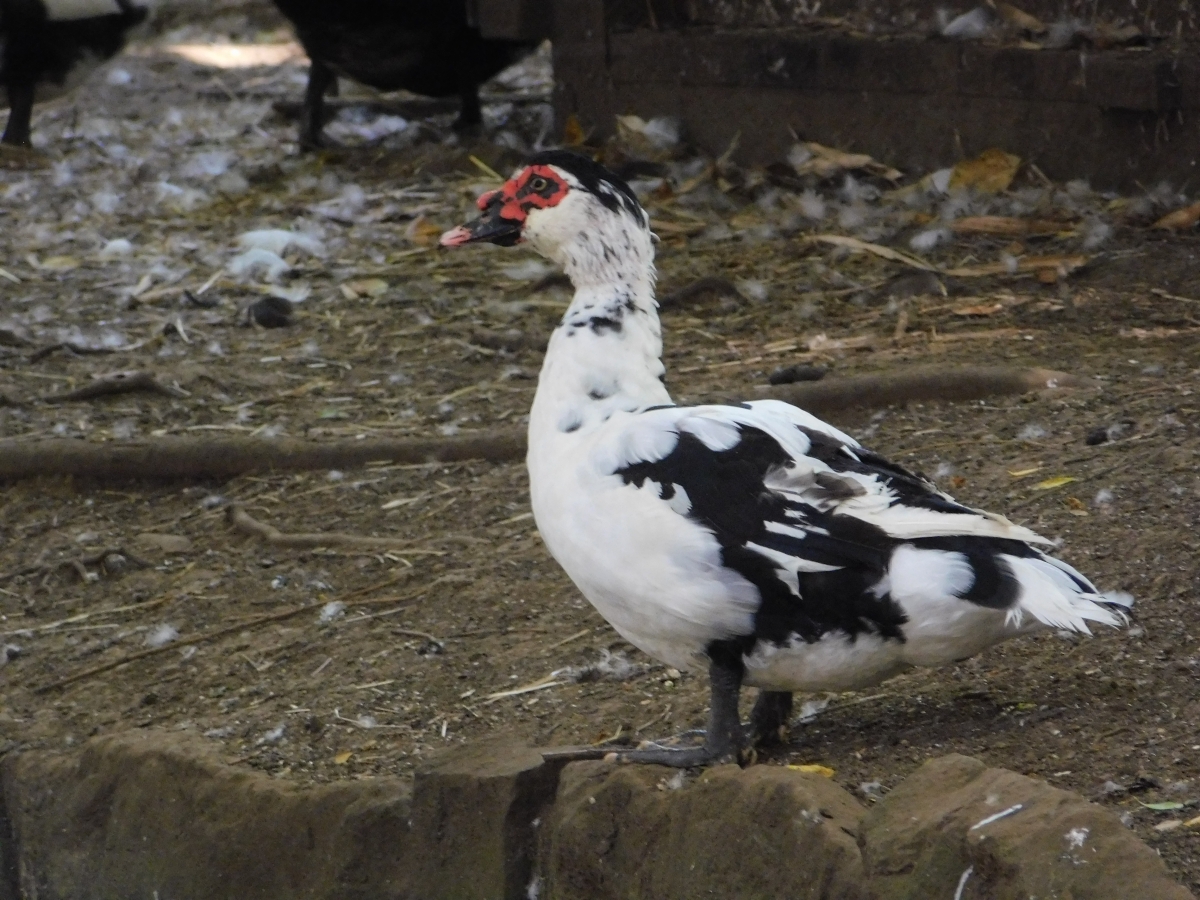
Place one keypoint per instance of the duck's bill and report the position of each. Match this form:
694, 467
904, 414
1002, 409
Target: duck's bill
491, 228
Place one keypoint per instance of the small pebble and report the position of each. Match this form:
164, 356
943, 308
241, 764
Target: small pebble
793, 374
270, 312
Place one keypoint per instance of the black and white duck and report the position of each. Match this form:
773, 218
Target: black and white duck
752, 539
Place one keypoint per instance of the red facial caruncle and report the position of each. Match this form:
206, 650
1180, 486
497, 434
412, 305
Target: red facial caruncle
535, 187
505, 211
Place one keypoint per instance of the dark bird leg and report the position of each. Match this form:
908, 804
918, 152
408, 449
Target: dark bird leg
20, 106
470, 113
770, 716
312, 114
724, 740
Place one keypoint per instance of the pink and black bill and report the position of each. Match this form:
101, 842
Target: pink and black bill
494, 226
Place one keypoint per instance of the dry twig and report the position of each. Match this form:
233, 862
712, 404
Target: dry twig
241, 520
120, 383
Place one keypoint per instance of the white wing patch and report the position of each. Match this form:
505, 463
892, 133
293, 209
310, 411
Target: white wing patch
915, 573
788, 567
715, 434
645, 438
680, 502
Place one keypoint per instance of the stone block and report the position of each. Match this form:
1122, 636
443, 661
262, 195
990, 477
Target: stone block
622, 833
956, 828
474, 816
144, 815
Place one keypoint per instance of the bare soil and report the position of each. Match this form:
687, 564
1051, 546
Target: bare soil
398, 339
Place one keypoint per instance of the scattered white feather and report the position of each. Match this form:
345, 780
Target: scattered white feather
259, 261
331, 610
924, 241
293, 293
274, 736
609, 667
115, 248
1096, 233
970, 26
1032, 432
809, 709
162, 635
811, 205
208, 164
664, 132
527, 270
279, 241
753, 289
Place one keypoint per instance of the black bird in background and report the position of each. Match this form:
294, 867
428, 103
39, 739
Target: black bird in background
48, 47
427, 47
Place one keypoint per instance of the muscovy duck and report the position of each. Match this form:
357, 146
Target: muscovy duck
424, 46
48, 47
754, 538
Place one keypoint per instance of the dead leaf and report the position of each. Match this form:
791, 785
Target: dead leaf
1056, 482
1061, 265
166, 543
828, 162
364, 287
991, 172
1005, 226
1018, 18
1180, 218
573, 133
340, 759
1104, 35
982, 309
853, 243
813, 769
1021, 473
422, 232
660, 227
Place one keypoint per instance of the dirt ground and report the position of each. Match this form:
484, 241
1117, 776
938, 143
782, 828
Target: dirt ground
392, 338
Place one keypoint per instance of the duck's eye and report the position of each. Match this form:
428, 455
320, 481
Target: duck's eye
539, 184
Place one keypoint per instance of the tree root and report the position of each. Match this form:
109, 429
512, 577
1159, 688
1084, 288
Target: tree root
829, 396
191, 459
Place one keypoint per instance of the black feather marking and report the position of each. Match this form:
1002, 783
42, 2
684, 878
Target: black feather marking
911, 489
728, 495
600, 324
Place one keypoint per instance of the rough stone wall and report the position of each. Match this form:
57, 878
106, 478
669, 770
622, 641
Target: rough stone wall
143, 816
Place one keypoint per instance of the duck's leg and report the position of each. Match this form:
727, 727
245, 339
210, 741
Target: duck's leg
770, 716
723, 740
20, 112
312, 114
470, 113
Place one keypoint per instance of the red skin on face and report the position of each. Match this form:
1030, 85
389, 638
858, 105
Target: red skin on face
519, 195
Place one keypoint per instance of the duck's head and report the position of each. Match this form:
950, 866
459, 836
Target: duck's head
567, 207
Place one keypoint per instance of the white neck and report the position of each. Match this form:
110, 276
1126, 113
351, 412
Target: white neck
606, 354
